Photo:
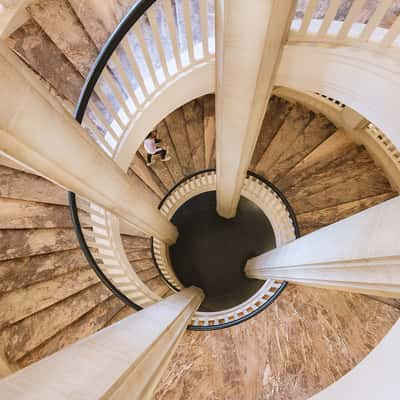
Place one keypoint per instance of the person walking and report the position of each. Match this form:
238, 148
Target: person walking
151, 145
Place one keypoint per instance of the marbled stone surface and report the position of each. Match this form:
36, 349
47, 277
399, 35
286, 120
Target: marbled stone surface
306, 340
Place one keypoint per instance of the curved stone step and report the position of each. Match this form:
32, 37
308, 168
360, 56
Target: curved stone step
104, 313
49, 296
33, 45
58, 19
323, 174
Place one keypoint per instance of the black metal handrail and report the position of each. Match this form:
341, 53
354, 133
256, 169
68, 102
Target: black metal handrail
89, 256
133, 15
283, 199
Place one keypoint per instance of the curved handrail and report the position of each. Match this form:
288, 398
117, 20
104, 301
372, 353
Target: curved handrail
133, 15
89, 256
283, 199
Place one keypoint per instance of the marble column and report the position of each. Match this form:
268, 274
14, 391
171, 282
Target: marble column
249, 41
358, 254
37, 131
124, 361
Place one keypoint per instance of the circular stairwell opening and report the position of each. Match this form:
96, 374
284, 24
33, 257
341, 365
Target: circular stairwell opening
211, 251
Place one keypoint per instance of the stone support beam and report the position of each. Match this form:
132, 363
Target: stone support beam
37, 131
249, 40
122, 362
359, 254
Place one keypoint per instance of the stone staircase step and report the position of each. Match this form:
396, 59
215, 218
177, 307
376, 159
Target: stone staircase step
20, 185
193, 114
177, 129
277, 111
15, 243
26, 335
371, 183
352, 180
124, 312
173, 165
160, 169
61, 24
335, 147
98, 19
147, 175
94, 320
22, 272
22, 214
317, 131
21, 303
313, 220
293, 126
47, 60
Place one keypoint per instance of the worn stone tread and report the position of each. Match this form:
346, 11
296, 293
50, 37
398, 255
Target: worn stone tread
193, 114
15, 243
147, 175
125, 311
47, 60
313, 220
338, 146
89, 323
74, 42
135, 242
24, 302
318, 130
142, 265
348, 182
173, 165
22, 214
99, 20
177, 130
25, 335
293, 126
22, 272
160, 169
158, 286
275, 115
20, 185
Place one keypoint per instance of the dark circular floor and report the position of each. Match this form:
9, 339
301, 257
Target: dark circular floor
211, 251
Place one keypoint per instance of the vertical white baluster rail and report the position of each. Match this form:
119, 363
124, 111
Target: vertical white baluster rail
136, 72
348, 32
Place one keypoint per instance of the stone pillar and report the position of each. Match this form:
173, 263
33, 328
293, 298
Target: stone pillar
122, 362
249, 41
37, 131
358, 254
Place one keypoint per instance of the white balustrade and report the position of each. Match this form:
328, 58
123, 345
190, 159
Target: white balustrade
336, 26
166, 43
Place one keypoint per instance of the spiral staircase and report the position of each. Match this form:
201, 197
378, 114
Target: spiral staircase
315, 162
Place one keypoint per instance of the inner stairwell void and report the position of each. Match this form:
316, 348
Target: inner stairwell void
260, 261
